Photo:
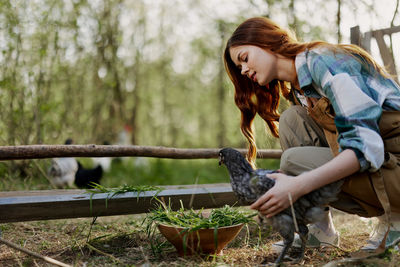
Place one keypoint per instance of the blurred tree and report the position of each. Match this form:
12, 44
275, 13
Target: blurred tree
338, 20
84, 69
221, 98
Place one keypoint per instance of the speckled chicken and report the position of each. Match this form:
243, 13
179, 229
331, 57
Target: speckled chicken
249, 184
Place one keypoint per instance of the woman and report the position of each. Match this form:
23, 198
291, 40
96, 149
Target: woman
344, 125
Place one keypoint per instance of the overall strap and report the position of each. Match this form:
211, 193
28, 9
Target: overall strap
322, 112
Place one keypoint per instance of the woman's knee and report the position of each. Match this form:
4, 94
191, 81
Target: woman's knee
291, 116
297, 128
296, 160
289, 161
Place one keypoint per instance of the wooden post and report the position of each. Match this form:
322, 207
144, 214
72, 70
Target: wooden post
366, 41
355, 35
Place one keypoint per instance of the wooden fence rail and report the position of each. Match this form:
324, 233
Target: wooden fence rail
54, 151
20, 206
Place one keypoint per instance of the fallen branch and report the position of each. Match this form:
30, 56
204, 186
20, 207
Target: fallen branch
55, 151
31, 253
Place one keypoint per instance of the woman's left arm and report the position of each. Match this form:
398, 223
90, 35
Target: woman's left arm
277, 199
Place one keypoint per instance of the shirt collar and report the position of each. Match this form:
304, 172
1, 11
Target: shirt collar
303, 72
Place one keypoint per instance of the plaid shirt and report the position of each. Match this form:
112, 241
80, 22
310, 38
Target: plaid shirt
357, 95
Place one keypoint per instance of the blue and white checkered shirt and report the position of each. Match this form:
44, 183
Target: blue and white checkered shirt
357, 96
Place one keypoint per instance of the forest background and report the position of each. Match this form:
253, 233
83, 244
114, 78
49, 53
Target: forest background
87, 70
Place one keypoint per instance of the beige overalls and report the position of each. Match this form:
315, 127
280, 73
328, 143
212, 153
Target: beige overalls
308, 138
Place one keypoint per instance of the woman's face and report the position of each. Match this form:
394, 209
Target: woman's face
256, 63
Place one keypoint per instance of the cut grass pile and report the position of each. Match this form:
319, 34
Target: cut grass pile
100, 189
190, 221
194, 220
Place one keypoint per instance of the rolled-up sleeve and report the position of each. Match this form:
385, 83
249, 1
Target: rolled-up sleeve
356, 113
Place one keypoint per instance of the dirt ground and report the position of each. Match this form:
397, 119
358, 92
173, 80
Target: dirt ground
122, 241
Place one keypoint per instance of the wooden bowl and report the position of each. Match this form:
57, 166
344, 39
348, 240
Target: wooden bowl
201, 241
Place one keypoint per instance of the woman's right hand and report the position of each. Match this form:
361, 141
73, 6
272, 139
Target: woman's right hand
276, 199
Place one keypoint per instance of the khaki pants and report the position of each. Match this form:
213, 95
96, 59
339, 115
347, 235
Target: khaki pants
306, 148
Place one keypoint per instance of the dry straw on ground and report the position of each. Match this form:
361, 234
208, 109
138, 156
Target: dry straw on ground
122, 241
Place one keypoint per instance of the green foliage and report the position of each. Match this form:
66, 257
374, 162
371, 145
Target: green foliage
134, 172
84, 69
99, 189
193, 220
23, 175
74, 70
149, 171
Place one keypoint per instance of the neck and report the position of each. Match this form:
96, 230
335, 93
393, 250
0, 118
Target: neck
238, 168
286, 70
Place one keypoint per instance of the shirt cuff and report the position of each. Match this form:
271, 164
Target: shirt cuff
364, 164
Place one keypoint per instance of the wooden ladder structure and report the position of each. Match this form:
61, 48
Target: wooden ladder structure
364, 40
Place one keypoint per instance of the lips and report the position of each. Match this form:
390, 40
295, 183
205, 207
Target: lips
253, 77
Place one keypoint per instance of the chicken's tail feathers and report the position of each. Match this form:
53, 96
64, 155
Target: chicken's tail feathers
326, 194
99, 170
314, 214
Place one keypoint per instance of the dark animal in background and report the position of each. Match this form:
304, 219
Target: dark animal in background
84, 178
249, 184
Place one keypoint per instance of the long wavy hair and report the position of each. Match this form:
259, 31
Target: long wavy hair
252, 98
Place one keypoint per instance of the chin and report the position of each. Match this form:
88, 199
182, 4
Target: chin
265, 82
262, 83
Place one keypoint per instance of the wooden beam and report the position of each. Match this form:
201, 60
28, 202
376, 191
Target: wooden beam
56, 151
388, 31
59, 204
386, 55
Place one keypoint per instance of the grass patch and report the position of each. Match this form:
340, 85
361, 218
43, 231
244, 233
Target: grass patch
130, 171
123, 241
153, 171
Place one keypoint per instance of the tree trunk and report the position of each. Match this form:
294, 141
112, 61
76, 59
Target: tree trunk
338, 21
221, 90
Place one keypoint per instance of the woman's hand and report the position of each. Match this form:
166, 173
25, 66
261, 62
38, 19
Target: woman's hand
277, 198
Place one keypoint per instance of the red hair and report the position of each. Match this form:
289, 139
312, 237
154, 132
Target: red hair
252, 98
